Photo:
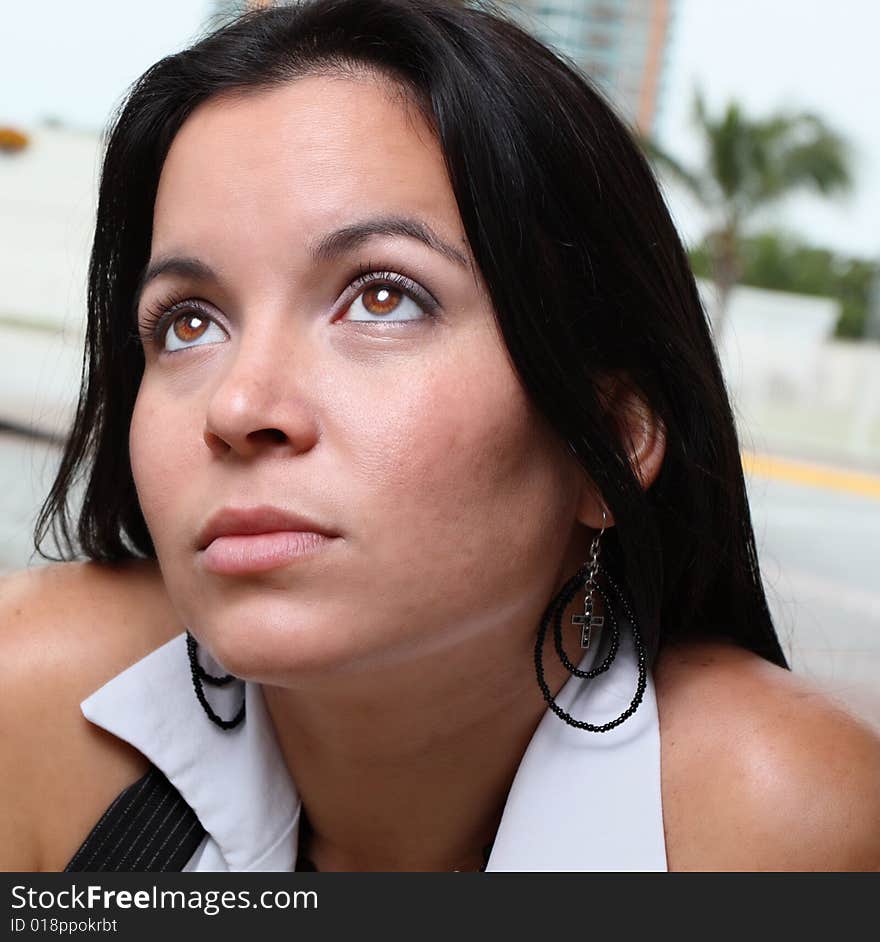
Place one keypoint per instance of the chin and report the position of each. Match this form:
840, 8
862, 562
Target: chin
265, 645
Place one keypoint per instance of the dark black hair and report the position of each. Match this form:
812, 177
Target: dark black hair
584, 268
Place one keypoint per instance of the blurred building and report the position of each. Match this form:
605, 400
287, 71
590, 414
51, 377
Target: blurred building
47, 202
223, 10
48, 194
620, 44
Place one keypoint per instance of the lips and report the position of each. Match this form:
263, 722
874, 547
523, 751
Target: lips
243, 541
252, 521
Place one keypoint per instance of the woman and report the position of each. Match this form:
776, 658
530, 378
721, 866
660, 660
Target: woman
395, 362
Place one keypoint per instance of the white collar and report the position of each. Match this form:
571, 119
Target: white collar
579, 801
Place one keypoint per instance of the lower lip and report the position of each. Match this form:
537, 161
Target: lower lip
238, 555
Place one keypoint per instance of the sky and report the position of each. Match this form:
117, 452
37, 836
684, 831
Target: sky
74, 61
802, 55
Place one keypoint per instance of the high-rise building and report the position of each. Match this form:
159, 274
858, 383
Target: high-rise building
223, 10
619, 44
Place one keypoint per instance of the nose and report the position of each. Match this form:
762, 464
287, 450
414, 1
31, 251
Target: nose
259, 404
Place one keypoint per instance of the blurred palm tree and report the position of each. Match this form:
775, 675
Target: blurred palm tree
749, 165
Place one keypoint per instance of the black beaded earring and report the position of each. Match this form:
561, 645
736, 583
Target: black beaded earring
587, 578
199, 674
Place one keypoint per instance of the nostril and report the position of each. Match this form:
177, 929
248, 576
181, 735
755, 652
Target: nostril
274, 435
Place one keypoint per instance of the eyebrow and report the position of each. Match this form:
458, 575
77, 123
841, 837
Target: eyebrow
328, 247
350, 237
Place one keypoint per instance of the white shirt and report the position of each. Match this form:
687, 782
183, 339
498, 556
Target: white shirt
580, 801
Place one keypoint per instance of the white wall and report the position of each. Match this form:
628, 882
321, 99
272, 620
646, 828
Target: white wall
795, 388
48, 196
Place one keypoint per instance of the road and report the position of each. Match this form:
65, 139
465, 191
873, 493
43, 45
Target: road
819, 547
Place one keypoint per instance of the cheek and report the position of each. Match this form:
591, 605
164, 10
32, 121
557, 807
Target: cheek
474, 486
158, 461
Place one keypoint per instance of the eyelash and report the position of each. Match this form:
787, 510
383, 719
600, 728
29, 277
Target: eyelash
160, 315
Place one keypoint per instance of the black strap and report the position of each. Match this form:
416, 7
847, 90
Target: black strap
148, 828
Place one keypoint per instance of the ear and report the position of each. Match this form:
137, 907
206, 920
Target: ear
643, 436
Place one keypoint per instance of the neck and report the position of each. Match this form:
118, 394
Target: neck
408, 768
305, 853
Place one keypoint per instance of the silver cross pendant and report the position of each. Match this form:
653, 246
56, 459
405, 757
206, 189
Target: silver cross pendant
587, 623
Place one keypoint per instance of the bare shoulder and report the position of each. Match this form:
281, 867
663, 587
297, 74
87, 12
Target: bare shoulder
65, 630
760, 769
69, 627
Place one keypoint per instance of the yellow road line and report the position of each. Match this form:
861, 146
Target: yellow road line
813, 475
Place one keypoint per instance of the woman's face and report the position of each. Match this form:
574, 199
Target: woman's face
389, 414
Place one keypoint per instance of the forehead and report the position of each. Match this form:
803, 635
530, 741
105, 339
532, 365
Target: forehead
303, 157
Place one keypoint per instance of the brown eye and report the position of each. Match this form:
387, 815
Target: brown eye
189, 327
381, 299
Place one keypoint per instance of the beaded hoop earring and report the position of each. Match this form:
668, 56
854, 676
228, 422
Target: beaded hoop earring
586, 578
199, 674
